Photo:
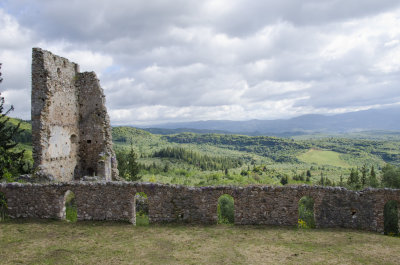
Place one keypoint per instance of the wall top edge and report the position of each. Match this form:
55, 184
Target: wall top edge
159, 185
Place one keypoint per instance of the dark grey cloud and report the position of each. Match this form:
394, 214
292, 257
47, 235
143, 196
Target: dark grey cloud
189, 60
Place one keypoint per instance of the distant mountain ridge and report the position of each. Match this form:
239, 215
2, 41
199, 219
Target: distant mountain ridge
368, 120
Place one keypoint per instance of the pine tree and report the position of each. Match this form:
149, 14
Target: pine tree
322, 180
373, 182
354, 179
11, 163
132, 168
284, 180
364, 172
350, 180
128, 166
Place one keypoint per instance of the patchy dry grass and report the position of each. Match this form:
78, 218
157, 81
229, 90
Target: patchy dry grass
56, 242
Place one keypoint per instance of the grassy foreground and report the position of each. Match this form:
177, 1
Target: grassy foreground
56, 242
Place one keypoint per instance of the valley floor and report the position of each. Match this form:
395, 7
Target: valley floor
57, 242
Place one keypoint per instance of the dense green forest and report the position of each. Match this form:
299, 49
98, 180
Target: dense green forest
323, 160
355, 161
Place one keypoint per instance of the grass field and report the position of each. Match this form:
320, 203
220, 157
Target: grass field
56, 242
321, 157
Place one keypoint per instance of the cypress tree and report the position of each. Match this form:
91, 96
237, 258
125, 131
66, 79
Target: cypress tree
133, 166
351, 179
373, 182
364, 171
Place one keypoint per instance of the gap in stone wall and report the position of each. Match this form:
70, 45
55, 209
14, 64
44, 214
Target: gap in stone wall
306, 216
70, 208
226, 209
141, 209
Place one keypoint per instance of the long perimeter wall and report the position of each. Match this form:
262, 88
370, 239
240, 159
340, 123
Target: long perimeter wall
333, 207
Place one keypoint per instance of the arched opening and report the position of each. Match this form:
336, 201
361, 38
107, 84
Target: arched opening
3, 207
74, 139
306, 213
71, 209
226, 209
391, 218
142, 209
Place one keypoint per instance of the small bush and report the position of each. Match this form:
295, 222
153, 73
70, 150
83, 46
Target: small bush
226, 212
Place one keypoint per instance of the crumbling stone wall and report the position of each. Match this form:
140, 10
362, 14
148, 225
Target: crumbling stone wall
333, 207
71, 137
71, 132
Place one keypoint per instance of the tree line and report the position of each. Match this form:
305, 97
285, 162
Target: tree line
204, 162
278, 149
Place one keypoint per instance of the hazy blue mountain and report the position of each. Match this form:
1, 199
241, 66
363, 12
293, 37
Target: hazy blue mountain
367, 120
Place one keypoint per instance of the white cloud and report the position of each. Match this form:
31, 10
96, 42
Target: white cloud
186, 60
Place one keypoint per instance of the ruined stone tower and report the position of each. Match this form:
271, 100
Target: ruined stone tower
71, 132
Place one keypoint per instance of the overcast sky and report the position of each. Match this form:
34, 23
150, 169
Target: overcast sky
182, 60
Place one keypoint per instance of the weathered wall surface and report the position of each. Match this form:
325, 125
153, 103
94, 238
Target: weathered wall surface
97, 155
54, 114
68, 108
333, 207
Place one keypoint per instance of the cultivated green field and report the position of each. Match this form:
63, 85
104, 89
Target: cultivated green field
57, 242
322, 157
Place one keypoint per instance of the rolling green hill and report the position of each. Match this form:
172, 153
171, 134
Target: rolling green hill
211, 159
264, 159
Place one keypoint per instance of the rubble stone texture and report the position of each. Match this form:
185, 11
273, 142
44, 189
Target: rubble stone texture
253, 205
71, 131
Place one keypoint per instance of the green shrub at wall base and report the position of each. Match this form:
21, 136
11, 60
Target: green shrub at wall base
391, 218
